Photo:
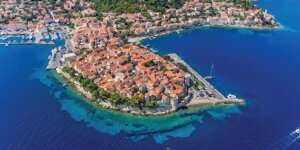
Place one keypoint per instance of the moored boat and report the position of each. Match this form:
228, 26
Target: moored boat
297, 131
153, 50
231, 96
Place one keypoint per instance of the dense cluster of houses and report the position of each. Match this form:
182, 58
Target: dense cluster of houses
193, 13
24, 15
133, 71
17, 15
89, 34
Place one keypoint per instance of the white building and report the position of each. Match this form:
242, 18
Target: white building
68, 57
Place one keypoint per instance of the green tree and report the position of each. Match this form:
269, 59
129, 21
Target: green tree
151, 104
115, 99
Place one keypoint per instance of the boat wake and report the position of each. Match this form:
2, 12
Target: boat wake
287, 141
289, 29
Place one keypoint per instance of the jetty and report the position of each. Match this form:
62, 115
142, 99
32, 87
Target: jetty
214, 102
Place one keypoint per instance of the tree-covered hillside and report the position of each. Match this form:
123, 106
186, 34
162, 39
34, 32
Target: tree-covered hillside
132, 6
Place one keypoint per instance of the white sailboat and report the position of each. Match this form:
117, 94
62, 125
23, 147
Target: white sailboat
7, 44
153, 50
212, 72
297, 131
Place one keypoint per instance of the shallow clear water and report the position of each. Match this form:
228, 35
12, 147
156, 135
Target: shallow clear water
37, 112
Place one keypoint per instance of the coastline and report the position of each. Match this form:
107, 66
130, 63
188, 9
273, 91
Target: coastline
198, 106
164, 33
192, 109
201, 103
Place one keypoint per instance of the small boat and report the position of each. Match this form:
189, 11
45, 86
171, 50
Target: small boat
51, 42
231, 96
212, 73
153, 50
297, 131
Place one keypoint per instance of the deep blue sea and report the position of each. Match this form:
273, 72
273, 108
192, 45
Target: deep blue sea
37, 112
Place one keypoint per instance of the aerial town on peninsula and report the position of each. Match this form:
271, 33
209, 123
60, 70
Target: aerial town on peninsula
103, 58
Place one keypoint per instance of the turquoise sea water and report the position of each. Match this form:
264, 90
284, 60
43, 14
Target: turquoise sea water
37, 112
160, 128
